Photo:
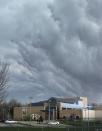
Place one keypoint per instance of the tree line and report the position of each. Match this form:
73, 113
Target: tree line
6, 108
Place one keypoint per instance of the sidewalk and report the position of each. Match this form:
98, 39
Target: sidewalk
33, 123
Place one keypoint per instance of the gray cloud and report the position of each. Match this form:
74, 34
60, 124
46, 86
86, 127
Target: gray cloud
54, 47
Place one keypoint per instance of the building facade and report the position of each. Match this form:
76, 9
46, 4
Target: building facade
53, 108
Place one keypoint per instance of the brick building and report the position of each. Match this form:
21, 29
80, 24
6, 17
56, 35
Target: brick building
53, 108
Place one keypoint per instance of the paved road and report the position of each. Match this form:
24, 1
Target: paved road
11, 125
32, 123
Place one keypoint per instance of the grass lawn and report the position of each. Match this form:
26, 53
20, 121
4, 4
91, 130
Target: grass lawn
48, 129
30, 129
76, 126
81, 123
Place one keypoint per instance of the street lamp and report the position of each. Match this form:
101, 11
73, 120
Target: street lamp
3, 111
8, 112
30, 107
88, 107
49, 109
88, 116
53, 114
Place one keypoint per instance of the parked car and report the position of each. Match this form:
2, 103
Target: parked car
53, 123
10, 122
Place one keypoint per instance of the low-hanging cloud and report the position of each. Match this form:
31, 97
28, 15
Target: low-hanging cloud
54, 46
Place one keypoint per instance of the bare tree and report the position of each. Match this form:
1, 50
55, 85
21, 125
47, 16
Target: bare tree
3, 80
11, 105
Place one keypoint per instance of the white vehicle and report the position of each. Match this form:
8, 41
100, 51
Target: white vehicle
53, 122
10, 122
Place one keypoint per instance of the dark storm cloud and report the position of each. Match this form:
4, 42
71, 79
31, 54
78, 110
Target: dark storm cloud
54, 47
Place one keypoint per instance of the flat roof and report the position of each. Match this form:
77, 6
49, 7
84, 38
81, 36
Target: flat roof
64, 100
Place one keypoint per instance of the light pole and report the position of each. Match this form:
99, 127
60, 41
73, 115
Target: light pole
85, 113
53, 115
88, 117
49, 109
3, 111
8, 112
56, 112
3, 114
49, 112
30, 107
88, 107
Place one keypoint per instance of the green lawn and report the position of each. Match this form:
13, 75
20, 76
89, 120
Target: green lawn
48, 129
81, 123
76, 126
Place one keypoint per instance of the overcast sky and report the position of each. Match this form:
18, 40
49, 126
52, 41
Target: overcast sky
54, 48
